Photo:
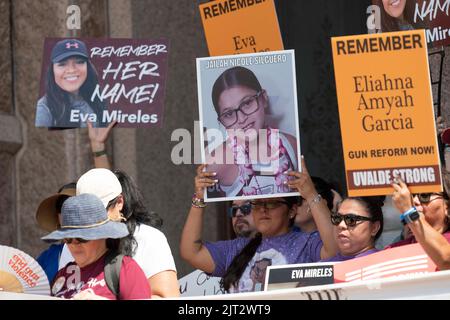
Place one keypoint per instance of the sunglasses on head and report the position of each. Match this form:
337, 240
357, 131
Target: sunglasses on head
350, 219
426, 197
245, 209
79, 240
257, 205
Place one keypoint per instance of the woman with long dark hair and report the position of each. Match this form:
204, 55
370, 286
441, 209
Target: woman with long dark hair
145, 243
70, 83
398, 15
242, 262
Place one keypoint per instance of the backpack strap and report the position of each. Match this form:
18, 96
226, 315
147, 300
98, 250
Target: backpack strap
113, 264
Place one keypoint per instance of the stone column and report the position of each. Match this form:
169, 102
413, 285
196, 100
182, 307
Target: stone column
124, 139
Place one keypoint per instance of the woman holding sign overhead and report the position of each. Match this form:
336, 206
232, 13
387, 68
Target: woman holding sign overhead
241, 103
242, 262
428, 217
71, 80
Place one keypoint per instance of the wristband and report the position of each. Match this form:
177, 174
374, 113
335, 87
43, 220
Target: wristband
198, 202
316, 200
409, 216
99, 153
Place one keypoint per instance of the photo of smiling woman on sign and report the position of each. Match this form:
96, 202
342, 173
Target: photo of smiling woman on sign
250, 125
398, 15
70, 81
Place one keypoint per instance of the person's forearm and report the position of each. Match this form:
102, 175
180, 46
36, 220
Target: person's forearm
100, 156
433, 242
321, 215
191, 244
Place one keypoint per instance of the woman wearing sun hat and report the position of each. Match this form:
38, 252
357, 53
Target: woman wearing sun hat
90, 235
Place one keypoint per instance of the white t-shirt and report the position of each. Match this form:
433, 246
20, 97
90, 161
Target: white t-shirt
153, 253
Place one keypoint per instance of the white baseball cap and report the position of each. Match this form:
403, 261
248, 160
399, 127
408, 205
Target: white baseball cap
101, 182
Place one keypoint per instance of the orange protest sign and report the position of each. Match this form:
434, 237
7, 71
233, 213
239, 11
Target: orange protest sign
386, 112
240, 26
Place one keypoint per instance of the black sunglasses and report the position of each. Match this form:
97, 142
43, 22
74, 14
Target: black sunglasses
245, 209
79, 240
350, 219
426, 197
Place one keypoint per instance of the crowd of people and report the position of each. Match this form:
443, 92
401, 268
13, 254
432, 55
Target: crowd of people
101, 219
109, 244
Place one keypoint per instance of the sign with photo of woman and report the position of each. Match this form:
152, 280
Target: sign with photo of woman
249, 119
403, 15
101, 81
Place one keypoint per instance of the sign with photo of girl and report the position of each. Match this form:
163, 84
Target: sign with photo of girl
101, 81
249, 119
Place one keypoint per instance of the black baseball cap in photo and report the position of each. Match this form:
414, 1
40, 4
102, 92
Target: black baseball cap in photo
67, 48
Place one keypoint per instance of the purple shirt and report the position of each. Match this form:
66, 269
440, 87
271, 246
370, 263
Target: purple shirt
290, 248
340, 257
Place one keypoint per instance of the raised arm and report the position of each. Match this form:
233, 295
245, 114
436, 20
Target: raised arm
319, 209
431, 240
191, 245
98, 137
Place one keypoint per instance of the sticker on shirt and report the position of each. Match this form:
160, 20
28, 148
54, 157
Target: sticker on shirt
58, 285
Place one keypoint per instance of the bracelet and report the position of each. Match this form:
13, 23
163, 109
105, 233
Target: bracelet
99, 153
198, 202
316, 200
404, 216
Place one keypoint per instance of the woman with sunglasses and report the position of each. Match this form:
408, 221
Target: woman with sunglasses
241, 103
428, 217
91, 237
239, 262
358, 223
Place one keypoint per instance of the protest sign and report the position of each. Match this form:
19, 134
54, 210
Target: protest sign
298, 275
240, 26
249, 120
407, 261
386, 112
198, 283
431, 15
102, 80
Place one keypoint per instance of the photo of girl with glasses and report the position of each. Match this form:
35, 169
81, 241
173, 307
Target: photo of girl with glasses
70, 81
357, 224
241, 105
428, 217
242, 262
